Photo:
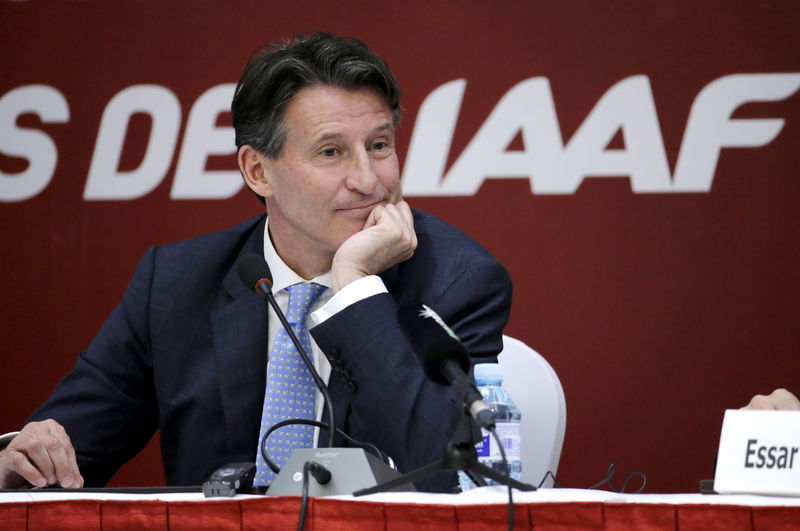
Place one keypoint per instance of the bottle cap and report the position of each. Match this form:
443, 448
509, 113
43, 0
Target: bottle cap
488, 373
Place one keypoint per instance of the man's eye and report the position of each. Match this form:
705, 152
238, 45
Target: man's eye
330, 152
380, 146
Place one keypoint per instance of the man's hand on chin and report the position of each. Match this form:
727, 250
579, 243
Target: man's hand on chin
387, 238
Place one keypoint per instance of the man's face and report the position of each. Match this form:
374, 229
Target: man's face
337, 164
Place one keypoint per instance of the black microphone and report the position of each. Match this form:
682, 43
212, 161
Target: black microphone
254, 272
443, 356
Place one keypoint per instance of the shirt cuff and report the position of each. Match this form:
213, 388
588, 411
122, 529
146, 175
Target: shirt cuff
350, 294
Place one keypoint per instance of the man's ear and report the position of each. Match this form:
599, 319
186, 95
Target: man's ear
253, 171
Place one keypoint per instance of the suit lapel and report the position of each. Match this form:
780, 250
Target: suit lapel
240, 342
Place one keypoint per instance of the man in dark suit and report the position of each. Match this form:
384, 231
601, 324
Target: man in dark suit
186, 351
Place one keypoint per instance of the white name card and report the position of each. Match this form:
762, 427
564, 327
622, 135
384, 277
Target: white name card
759, 453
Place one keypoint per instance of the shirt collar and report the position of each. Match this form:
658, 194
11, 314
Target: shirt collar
282, 274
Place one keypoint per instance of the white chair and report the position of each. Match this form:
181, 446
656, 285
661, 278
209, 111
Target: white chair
535, 388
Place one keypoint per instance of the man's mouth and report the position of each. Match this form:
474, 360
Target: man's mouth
360, 208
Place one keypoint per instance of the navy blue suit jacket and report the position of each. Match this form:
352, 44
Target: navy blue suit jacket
186, 350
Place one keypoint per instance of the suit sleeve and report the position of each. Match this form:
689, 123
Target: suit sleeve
107, 403
392, 403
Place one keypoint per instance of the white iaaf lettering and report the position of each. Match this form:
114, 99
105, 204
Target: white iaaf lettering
554, 168
527, 109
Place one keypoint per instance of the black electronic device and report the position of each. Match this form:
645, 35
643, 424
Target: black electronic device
229, 479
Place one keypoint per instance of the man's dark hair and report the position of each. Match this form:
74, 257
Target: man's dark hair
274, 75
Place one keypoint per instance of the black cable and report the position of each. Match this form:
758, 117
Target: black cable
508, 474
322, 475
612, 468
276, 469
608, 479
304, 502
630, 476
549, 474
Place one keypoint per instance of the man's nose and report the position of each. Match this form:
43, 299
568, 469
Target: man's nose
361, 175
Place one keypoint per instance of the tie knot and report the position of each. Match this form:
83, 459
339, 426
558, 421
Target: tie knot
301, 297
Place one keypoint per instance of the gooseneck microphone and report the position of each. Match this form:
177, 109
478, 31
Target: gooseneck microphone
254, 272
443, 356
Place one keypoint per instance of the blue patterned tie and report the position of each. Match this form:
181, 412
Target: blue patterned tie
290, 387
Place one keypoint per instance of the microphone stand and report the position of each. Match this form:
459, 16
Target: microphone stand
459, 454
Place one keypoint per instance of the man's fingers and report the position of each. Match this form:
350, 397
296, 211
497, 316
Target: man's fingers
75, 472
401, 218
778, 399
401, 214
405, 210
403, 207
42, 454
18, 463
62, 466
63, 457
758, 402
37, 449
783, 399
375, 216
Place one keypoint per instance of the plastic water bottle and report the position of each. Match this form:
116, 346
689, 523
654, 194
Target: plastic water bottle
489, 377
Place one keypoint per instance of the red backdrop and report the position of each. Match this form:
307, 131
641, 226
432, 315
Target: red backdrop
659, 303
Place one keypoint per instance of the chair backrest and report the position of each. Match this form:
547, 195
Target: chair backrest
534, 386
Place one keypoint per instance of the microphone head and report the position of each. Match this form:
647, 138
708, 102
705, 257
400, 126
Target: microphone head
434, 343
253, 270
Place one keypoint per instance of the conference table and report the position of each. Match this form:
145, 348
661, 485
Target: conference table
478, 509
